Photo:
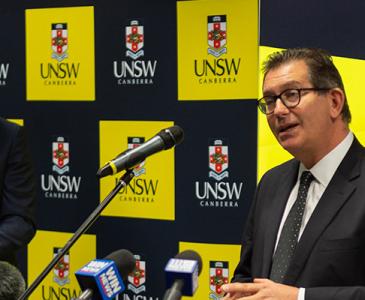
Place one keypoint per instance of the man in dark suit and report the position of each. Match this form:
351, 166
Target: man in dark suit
17, 188
305, 235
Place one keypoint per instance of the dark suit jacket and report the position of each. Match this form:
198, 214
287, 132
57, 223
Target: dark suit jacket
17, 191
329, 260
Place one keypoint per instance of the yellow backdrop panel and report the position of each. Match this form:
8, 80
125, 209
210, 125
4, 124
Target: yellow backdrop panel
68, 74
151, 195
229, 73
61, 282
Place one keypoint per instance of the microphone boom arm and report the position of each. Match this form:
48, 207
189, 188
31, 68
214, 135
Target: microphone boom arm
122, 182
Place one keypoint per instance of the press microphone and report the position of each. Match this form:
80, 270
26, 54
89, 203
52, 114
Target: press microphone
165, 139
102, 279
182, 273
12, 283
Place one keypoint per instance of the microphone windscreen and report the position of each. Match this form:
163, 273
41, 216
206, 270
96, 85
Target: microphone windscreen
12, 283
192, 255
124, 260
172, 136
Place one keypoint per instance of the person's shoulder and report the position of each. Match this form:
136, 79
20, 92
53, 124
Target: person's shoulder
8, 126
8, 130
356, 151
278, 171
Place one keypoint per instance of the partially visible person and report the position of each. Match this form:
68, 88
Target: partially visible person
17, 191
305, 235
12, 284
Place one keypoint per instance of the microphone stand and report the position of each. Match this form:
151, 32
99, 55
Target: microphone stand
122, 182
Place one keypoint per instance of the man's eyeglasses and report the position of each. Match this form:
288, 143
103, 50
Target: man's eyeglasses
290, 98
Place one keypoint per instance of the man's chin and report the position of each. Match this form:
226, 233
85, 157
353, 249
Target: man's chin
290, 145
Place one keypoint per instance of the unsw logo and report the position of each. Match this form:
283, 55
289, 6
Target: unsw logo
137, 71
137, 282
60, 186
220, 193
218, 275
217, 70
59, 73
139, 189
61, 276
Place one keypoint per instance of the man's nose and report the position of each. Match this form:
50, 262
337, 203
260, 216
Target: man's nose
280, 108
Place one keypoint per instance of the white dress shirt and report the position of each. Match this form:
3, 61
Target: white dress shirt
323, 172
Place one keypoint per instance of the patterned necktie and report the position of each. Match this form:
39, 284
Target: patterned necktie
289, 234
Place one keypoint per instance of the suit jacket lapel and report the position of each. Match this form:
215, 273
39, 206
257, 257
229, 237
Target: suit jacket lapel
276, 207
337, 193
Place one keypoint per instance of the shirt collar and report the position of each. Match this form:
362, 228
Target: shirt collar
324, 170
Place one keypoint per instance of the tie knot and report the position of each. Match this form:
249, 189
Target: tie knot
306, 178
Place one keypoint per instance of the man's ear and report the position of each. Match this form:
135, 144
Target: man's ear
337, 100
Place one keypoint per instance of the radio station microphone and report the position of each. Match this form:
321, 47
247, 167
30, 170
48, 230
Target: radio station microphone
102, 279
182, 273
12, 283
165, 139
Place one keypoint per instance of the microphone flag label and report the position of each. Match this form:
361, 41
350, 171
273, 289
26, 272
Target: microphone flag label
105, 276
184, 269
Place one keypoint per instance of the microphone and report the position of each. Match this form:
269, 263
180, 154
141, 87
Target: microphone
102, 279
165, 139
12, 283
182, 275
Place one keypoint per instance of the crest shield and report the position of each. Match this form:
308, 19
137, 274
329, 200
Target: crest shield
217, 35
134, 40
218, 160
60, 156
59, 41
137, 278
62, 269
218, 275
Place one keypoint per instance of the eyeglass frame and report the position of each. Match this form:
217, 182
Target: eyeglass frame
276, 97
